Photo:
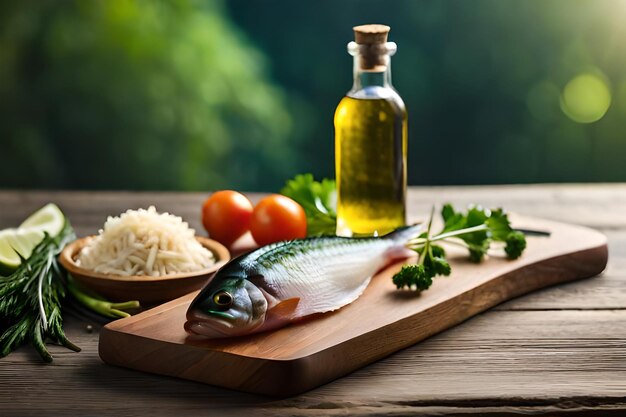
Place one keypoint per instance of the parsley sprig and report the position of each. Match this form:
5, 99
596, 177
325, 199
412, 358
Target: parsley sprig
477, 230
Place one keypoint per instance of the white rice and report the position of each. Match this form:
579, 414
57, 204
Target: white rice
144, 242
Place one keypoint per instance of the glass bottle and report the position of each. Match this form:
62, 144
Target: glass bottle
371, 141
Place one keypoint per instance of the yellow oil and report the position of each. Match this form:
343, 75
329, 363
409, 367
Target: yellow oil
370, 165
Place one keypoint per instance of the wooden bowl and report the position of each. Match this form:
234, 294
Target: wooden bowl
148, 290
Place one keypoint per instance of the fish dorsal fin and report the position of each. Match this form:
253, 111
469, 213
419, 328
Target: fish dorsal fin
285, 308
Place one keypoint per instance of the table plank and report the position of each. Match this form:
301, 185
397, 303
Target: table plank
565, 359
559, 350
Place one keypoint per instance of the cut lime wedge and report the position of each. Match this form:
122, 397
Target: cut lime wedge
9, 260
23, 241
47, 219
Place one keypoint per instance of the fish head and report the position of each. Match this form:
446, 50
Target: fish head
228, 306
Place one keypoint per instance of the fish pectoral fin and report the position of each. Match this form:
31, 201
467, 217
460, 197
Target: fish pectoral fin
285, 308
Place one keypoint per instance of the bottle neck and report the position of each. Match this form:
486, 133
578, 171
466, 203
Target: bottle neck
370, 78
372, 65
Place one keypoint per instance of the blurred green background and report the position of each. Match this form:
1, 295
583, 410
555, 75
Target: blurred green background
201, 95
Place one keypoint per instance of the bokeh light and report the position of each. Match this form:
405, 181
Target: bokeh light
586, 98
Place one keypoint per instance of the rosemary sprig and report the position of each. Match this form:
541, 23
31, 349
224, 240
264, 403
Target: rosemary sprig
30, 299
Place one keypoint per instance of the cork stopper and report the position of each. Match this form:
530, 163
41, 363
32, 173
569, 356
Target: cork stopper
371, 34
372, 40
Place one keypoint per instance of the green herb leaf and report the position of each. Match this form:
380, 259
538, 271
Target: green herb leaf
438, 266
455, 221
319, 200
452, 219
435, 262
498, 225
515, 244
414, 277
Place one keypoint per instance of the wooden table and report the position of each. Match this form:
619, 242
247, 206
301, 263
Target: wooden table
557, 351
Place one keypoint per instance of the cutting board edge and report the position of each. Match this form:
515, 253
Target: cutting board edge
287, 374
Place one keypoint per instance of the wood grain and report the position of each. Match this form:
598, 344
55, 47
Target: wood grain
514, 361
490, 365
381, 321
607, 291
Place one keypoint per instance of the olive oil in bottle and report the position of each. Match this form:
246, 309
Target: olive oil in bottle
371, 141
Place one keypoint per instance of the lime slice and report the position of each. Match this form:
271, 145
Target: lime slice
47, 219
23, 241
9, 260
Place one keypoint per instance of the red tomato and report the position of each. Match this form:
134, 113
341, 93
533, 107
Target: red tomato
277, 218
226, 216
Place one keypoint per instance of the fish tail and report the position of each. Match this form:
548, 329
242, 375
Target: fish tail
403, 234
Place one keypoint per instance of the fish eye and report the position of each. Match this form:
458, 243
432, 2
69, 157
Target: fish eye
223, 299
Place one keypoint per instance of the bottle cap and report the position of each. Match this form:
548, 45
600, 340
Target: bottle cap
370, 34
372, 45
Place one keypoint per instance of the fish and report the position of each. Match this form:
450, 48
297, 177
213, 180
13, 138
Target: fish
284, 282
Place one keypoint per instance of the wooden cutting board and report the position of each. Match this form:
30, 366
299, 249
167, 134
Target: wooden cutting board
383, 320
